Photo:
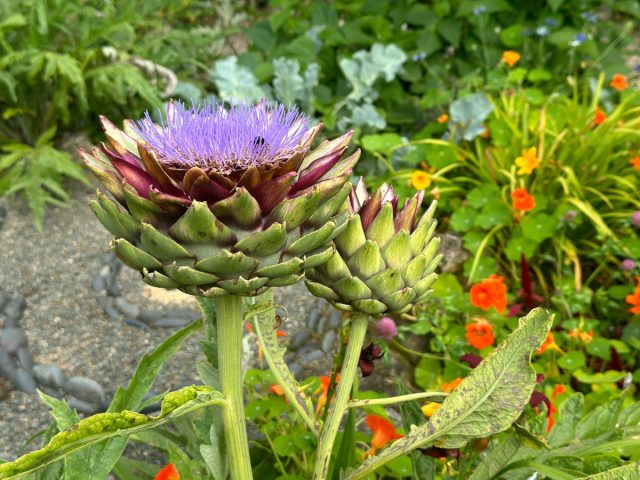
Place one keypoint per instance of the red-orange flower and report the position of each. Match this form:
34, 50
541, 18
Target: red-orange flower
599, 117
383, 432
443, 118
491, 292
522, 200
323, 390
276, 389
548, 344
635, 162
551, 416
168, 473
559, 389
451, 386
634, 299
479, 334
619, 82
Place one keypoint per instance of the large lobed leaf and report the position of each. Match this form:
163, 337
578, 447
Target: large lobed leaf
488, 401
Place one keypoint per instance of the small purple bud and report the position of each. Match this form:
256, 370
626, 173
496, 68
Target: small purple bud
627, 265
635, 219
471, 359
570, 215
367, 356
386, 328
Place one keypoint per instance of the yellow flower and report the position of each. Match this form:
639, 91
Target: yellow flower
420, 180
528, 162
510, 57
430, 408
443, 118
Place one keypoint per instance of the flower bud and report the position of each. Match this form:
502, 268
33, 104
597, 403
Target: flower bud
386, 328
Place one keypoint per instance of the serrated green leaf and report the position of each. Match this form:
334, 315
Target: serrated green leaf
488, 401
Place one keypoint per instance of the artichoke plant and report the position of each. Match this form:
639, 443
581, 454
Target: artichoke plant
216, 200
385, 258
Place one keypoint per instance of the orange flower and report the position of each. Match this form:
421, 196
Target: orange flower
491, 292
420, 180
522, 200
634, 299
551, 416
479, 334
528, 162
168, 473
548, 344
276, 389
443, 118
578, 334
559, 389
510, 57
619, 82
323, 390
383, 432
599, 117
450, 387
635, 162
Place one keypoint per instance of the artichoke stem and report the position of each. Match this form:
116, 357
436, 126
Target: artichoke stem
229, 330
338, 408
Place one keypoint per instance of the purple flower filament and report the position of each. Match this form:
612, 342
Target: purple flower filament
213, 137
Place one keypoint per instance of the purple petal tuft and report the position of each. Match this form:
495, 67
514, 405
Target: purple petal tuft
215, 138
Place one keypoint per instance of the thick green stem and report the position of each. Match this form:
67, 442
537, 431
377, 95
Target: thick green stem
229, 329
339, 406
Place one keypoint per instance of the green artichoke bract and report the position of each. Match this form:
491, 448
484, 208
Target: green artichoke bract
385, 259
217, 200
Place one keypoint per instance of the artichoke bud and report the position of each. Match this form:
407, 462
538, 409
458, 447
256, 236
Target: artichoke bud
385, 258
220, 200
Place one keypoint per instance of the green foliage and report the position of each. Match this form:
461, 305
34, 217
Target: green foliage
580, 444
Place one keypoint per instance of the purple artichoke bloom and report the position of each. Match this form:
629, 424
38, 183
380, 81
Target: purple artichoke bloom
386, 328
216, 139
222, 200
635, 219
627, 265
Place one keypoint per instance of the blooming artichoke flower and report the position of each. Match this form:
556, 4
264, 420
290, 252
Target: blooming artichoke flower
217, 200
385, 259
